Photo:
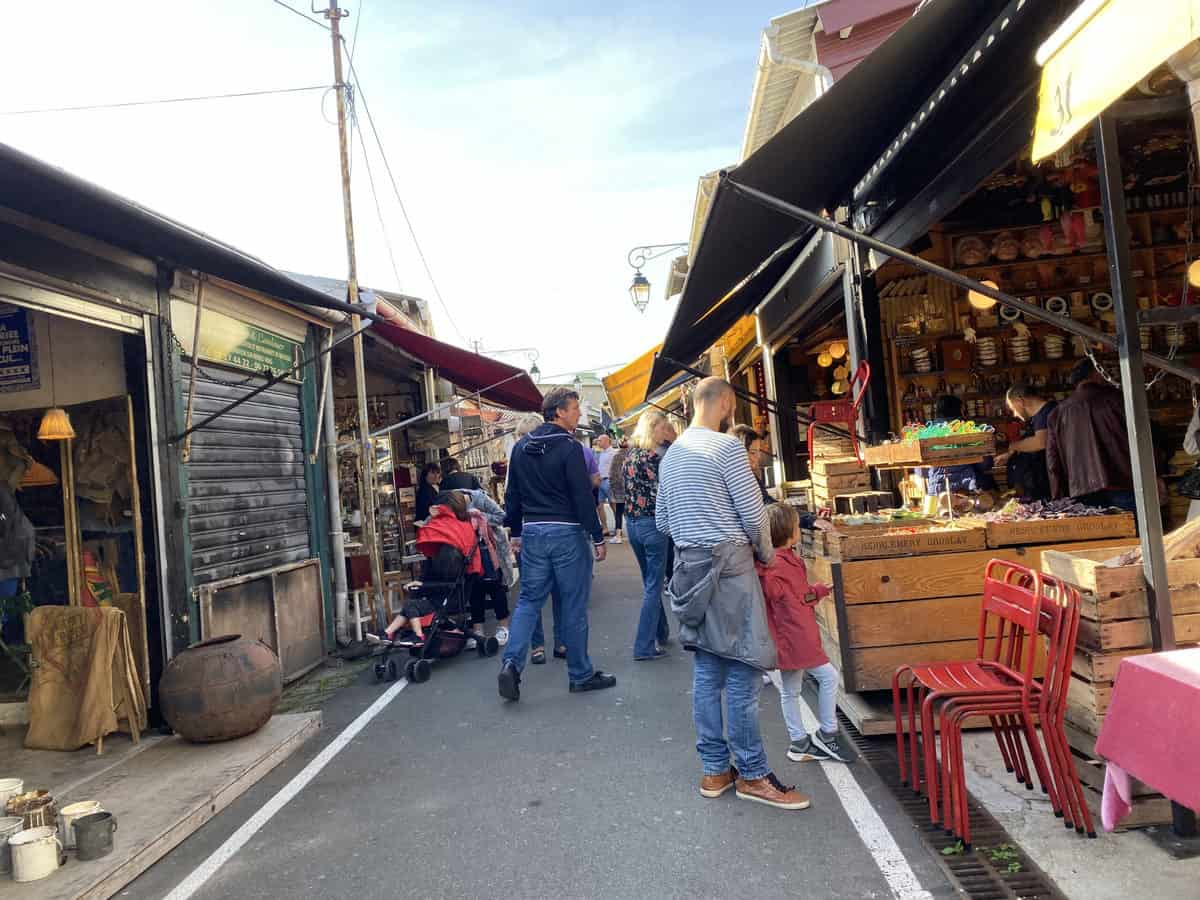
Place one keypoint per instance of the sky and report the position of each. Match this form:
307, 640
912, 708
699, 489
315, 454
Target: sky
533, 143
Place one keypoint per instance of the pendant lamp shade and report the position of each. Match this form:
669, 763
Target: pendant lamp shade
38, 475
56, 426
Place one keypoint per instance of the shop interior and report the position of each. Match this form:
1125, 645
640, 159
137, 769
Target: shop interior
73, 455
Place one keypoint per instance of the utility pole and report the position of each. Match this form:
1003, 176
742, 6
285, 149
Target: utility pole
366, 446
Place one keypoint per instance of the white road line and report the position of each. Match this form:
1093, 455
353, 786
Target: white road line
251, 826
867, 822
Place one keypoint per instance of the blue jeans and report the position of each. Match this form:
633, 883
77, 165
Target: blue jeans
792, 682
554, 558
741, 684
539, 633
650, 547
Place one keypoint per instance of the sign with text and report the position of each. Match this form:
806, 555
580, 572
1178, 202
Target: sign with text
18, 351
1102, 57
228, 340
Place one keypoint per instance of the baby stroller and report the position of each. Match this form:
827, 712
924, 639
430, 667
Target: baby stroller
440, 601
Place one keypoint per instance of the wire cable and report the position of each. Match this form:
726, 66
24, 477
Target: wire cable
387, 241
302, 15
128, 103
396, 190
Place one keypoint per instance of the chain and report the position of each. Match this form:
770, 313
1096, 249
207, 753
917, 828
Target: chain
184, 351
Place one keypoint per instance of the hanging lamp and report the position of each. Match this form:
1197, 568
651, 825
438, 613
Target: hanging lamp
56, 423
38, 475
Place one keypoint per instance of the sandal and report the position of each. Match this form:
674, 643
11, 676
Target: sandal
538, 657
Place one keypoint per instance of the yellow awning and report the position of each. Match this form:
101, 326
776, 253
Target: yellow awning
740, 336
627, 387
1102, 50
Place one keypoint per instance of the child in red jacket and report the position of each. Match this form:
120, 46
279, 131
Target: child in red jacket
791, 602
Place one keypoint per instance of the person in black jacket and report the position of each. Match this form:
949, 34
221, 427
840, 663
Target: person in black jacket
455, 479
557, 534
427, 490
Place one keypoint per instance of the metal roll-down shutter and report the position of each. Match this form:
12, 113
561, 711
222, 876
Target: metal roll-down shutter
247, 504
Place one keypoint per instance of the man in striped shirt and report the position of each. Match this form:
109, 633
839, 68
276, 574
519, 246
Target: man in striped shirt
711, 505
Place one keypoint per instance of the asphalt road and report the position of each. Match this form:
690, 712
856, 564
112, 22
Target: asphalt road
452, 793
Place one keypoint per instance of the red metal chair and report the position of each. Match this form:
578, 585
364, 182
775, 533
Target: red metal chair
1059, 624
1008, 624
843, 411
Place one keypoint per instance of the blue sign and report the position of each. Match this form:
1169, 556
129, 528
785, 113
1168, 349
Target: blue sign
18, 351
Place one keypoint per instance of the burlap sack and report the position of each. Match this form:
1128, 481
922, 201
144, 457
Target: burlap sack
85, 682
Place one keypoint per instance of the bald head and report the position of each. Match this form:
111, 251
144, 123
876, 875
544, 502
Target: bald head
715, 401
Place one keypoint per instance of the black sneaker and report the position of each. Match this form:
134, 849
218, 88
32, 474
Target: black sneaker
598, 682
509, 681
805, 751
830, 745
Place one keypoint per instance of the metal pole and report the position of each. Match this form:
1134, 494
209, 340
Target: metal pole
1133, 385
191, 400
337, 537
957, 278
367, 482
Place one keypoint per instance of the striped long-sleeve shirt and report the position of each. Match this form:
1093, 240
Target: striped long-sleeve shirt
707, 494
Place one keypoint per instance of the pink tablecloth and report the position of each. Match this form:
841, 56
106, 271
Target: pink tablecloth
1152, 729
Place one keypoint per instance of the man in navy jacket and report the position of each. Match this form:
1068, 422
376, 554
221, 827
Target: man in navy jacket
552, 516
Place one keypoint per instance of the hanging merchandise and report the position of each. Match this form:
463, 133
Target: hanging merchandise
101, 455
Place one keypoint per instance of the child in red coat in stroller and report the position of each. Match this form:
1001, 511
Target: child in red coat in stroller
449, 526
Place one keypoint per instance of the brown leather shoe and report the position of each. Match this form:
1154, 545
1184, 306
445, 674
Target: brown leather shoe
768, 790
713, 786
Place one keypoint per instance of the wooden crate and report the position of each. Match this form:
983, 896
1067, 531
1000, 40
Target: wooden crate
1058, 531
957, 449
1149, 806
837, 466
1086, 569
856, 480
889, 611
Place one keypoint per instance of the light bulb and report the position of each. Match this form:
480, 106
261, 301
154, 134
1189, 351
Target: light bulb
982, 301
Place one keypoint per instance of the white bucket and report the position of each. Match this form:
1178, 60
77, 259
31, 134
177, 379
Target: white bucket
67, 816
36, 853
9, 825
9, 788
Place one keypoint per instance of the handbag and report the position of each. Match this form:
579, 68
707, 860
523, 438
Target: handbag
1189, 485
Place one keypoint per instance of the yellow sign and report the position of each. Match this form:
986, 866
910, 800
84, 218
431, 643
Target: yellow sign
740, 336
1100, 53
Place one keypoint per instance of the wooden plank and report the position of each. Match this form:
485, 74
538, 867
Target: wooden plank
1093, 696
871, 714
857, 479
1091, 774
872, 667
914, 621
1085, 569
837, 466
1133, 633
1058, 531
850, 546
936, 575
1133, 604
826, 612
1083, 716
1101, 666
1146, 812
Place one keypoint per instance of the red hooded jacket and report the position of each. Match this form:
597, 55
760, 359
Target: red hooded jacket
793, 621
445, 528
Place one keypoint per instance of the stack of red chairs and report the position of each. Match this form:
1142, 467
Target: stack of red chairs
1021, 610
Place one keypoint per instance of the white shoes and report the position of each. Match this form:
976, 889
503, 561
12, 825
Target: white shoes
471, 644
501, 635
615, 539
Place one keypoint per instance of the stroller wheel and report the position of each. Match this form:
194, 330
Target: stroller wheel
491, 647
381, 670
392, 672
408, 670
421, 671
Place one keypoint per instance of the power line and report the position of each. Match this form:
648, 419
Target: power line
128, 103
302, 15
387, 241
396, 190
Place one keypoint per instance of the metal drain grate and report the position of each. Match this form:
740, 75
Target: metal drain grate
974, 873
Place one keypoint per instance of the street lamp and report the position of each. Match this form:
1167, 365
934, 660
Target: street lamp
639, 290
535, 373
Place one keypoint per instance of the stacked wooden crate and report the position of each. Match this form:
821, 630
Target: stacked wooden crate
1115, 624
837, 475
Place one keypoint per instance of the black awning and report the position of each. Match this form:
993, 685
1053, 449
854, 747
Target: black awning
814, 162
55, 195
686, 346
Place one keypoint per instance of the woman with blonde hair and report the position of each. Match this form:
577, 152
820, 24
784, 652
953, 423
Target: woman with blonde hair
651, 438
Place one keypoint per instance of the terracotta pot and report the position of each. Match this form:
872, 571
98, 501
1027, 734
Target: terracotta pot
221, 689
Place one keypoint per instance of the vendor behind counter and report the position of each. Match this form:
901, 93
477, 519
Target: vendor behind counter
1025, 460
968, 479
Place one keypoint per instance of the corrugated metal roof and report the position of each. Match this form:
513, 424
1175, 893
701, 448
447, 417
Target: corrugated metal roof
780, 93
